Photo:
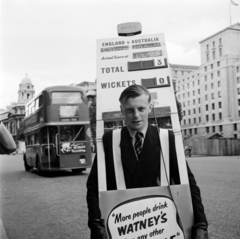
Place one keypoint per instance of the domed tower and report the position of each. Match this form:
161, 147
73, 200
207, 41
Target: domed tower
26, 90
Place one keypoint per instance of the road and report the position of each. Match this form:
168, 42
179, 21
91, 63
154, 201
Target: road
54, 206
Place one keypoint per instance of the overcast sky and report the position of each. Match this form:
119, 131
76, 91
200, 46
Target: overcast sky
54, 41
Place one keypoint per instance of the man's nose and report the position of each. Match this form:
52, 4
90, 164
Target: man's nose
136, 114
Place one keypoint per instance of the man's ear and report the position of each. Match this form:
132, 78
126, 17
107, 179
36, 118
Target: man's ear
150, 108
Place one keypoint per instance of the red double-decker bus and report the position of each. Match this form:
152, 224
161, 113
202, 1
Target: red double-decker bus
57, 131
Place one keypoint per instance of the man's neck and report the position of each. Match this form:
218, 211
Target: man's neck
132, 132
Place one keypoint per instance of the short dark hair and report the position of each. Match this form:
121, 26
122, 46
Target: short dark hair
134, 91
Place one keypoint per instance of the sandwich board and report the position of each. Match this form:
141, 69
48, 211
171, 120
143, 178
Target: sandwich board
155, 212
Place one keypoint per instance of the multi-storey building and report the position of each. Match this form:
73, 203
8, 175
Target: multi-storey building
210, 95
12, 116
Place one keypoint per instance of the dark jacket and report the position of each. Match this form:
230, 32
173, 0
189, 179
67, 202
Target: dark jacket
142, 173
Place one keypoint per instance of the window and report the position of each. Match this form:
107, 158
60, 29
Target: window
188, 94
188, 86
213, 129
205, 68
194, 102
218, 63
238, 79
198, 91
183, 96
199, 119
219, 83
194, 120
189, 112
220, 128
219, 94
183, 104
234, 127
206, 107
239, 102
206, 97
207, 118
213, 53
194, 111
194, 92
195, 131
238, 91
199, 100
213, 106
206, 87
207, 56
175, 72
189, 121
220, 115
183, 113
212, 95
207, 129
237, 68
212, 86
219, 105
185, 132
211, 66
193, 83
218, 73
207, 47
199, 110
184, 122
198, 82
213, 116
213, 44
211, 75
205, 77
220, 41
182, 73
220, 52
190, 131
183, 87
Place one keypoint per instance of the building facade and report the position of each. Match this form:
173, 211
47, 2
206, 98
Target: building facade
210, 95
12, 116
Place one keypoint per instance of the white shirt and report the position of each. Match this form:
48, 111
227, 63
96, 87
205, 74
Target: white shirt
133, 132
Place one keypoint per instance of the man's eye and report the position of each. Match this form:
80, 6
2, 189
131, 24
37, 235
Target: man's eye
129, 111
141, 109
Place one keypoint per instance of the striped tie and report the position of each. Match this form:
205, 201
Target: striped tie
138, 143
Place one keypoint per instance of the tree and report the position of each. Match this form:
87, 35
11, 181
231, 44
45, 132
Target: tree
179, 109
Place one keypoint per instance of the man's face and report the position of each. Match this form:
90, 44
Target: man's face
136, 112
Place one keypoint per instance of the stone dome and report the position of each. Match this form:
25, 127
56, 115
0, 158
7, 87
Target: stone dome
26, 80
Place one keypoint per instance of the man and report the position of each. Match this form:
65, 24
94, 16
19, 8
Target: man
141, 169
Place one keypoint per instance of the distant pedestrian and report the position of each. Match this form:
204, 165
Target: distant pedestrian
190, 151
7, 144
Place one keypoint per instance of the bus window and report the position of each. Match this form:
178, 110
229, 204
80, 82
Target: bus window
72, 133
40, 100
66, 98
37, 103
52, 131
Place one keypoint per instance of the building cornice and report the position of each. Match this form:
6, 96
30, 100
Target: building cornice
225, 29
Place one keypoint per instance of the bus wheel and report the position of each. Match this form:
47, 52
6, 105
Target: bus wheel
39, 170
78, 170
27, 168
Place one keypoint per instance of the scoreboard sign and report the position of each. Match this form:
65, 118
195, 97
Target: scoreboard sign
141, 60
